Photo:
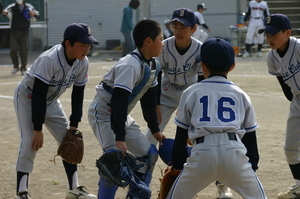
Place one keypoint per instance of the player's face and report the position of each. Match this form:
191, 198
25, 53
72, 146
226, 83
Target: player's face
78, 50
279, 40
157, 45
182, 33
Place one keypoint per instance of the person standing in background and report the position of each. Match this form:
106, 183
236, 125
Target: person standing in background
200, 34
257, 11
168, 32
20, 15
127, 26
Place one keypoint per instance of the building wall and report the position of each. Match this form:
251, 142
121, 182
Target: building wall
104, 16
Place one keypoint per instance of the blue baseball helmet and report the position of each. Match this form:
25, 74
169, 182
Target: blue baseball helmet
165, 151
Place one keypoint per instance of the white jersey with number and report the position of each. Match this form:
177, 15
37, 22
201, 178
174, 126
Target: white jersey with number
215, 105
52, 68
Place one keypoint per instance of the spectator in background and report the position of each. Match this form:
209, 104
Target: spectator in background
20, 15
200, 34
168, 32
127, 26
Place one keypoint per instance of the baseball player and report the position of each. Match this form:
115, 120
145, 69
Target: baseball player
180, 69
283, 62
36, 102
257, 11
200, 34
214, 114
133, 78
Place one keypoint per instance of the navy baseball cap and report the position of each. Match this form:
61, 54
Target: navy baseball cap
275, 23
185, 16
80, 32
201, 5
217, 53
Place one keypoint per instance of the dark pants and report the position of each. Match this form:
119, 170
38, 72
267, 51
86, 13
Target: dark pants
19, 42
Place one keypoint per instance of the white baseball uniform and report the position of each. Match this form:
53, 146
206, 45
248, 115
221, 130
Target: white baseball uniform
51, 68
257, 11
212, 109
288, 67
179, 72
200, 34
124, 74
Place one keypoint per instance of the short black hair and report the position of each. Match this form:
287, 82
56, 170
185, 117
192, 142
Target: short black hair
143, 29
134, 4
72, 42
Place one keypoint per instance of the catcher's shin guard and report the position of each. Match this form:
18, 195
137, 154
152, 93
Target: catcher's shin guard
106, 190
145, 173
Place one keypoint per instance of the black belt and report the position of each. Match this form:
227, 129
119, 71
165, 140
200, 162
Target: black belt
107, 88
231, 136
257, 18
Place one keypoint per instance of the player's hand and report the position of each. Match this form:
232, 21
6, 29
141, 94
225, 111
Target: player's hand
158, 112
159, 137
121, 146
37, 140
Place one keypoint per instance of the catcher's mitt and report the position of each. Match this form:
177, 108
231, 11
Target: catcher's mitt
119, 169
72, 147
168, 178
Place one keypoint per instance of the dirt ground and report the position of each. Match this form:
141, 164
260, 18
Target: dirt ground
48, 180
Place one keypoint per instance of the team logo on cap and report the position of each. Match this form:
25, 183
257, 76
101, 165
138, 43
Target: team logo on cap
89, 30
268, 19
181, 14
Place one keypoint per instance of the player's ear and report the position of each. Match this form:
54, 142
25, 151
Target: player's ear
194, 28
67, 43
232, 67
148, 41
204, 69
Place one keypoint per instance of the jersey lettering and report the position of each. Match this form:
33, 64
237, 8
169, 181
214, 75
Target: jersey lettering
225, 112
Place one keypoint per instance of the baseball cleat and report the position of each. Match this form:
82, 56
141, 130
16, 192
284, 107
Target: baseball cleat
14, 71
23, 195
259, 54
224, 191
79, 193
246, 54
23, 72
293, 193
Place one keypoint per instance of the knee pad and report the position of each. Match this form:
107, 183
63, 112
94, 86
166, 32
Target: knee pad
106, 189
145, 173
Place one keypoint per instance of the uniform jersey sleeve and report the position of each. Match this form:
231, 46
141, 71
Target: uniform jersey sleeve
44, 69
249, 123
183, 116
127, 76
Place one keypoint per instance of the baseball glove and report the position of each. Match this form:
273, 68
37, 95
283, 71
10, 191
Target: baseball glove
72, 147
119, 169
168, 178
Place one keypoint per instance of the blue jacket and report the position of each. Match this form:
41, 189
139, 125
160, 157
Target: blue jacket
127, 23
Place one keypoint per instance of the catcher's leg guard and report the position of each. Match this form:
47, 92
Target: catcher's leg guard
145, 173
106, 190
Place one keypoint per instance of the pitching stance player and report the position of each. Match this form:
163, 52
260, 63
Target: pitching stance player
133, 78
283, 62
257, 11
214, 114
200, 34
37, 102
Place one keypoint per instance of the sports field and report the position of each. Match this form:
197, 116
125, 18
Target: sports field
48, 180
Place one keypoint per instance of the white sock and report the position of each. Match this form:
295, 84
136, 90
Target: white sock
297, 182
75, 181
23, 184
